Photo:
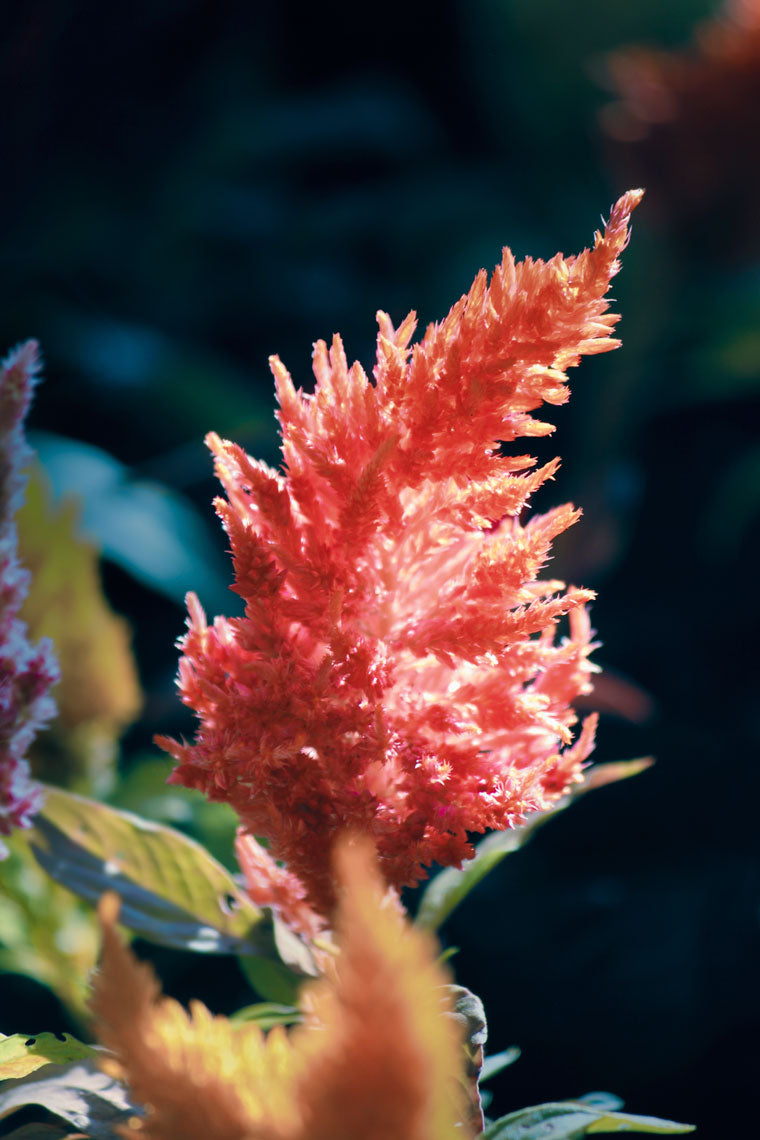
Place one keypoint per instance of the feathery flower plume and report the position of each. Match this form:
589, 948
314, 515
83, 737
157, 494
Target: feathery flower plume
397, 671
375, 1058
27, 671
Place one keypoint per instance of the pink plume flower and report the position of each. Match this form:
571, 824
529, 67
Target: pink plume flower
27, 672
397, 671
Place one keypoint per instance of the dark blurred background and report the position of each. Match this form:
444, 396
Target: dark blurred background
188, 187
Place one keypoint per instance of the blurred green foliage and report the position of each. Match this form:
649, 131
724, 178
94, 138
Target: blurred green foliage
46, 933
98, 694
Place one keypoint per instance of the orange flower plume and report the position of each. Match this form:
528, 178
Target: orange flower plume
397, 672
375, 1057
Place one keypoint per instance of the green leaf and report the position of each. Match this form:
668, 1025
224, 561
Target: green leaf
45, 932
569, 1120
267, 1014
602, 774
151, 531
78, 1092
270, 979
451, 885
445, 892
173, 892
22, 1053
142, 789
605, 1100
498, 1061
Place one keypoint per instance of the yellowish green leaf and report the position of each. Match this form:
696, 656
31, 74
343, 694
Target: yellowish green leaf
98, 694
46, 932
78, 1092
602, 774
267, 1014
571, 1120
142, 789
173, 892
21, 1054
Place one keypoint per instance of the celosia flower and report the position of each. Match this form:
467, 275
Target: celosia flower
396, 671
375, 1057
27, 671
682, 124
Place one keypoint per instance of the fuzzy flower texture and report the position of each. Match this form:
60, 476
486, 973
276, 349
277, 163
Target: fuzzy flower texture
374, 1058
398, 671
27, 671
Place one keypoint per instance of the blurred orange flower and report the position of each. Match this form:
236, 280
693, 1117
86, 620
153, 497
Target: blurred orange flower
375, 1057
683, 125
397, 671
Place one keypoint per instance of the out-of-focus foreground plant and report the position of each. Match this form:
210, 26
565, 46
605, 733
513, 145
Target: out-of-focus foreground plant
395, 685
